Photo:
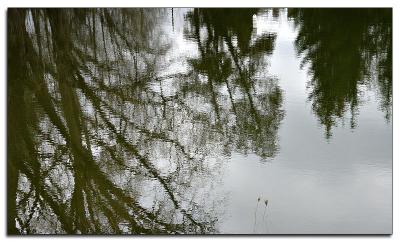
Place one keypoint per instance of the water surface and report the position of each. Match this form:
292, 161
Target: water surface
271, 121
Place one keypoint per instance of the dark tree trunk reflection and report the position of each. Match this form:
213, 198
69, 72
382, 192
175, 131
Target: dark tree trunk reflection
90, 124
111, 132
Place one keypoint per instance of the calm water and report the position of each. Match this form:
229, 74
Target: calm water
199, 121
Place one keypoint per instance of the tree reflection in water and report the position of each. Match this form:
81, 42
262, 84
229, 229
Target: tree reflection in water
233, 58
107, 136
348, 50
93, 148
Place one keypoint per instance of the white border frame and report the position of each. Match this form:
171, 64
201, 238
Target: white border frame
4, 4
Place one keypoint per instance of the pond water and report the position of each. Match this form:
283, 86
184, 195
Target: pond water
153, 121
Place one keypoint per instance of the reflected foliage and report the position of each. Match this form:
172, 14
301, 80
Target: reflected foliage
113, 129
231, 74
348, 51
84, 131
102, 139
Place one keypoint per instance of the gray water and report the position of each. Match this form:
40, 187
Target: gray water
264, 121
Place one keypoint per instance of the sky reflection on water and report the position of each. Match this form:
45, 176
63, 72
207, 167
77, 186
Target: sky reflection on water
177, 120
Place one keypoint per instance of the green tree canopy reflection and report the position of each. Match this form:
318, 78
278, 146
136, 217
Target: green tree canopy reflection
346, 49
254, 99
96, 144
